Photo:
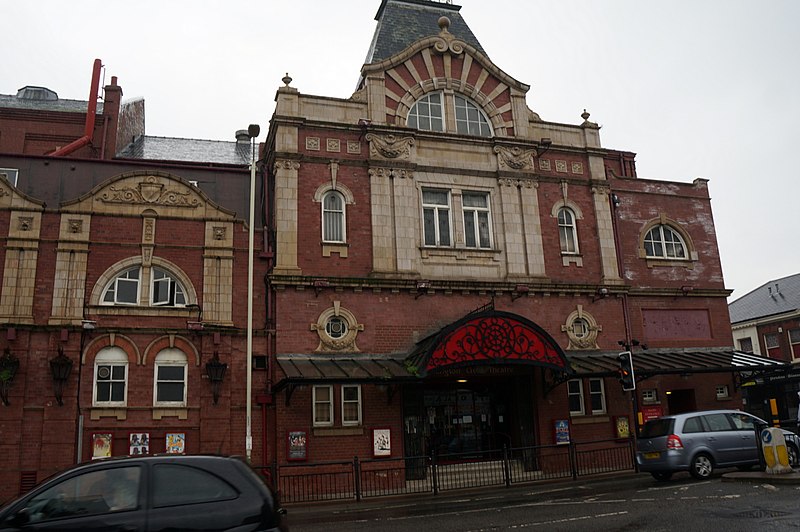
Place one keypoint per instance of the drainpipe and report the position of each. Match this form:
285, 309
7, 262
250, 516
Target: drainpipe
90, 116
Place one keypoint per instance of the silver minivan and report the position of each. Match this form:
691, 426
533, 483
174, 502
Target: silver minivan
699, 442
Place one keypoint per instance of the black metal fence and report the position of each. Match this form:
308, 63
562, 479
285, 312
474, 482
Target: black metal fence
359, 479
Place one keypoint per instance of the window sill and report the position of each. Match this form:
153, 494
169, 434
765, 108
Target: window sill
458, 254
98, 412
572, 258
181, 413
590, 419
138, 310
340, 248
669, 263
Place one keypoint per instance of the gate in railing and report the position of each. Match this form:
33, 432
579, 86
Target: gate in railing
358, 479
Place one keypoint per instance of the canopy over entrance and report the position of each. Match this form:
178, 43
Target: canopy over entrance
487, 338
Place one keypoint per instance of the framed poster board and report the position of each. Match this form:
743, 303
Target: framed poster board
101, 445
297, 445
381, 442
622, 427
138, 443
561, 428
175, 443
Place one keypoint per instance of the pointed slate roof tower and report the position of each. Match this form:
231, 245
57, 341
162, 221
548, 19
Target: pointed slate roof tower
402, 22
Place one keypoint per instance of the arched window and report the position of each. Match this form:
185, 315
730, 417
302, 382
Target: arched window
333, 217
567, 231
169, 386
663, 242
430, 113
427, 114
110, 377
470, 120
165, 289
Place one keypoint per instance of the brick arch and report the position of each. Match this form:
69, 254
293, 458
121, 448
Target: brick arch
111, 340
170, 341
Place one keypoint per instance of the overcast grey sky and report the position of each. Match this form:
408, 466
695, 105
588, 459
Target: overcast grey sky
697, 88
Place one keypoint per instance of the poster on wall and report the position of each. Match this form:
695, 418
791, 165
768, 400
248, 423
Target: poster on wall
139, 443
381, 442
651, 412
622, 426
297, 445
101, 445
176, 443
562, 431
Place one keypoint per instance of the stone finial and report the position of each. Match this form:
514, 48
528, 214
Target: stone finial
585, 116
444, 23
286, 79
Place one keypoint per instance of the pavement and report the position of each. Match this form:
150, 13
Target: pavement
763, 477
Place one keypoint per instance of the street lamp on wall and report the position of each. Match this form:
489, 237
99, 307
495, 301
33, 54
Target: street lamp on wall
216, 374
9, 364
60, 368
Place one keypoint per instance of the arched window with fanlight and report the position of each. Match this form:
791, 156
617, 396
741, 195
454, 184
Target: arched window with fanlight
130, 286
664, 242
567, 231
427, 114
333, 217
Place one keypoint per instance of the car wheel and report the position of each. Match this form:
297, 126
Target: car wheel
794, 455
661, 476
702, 467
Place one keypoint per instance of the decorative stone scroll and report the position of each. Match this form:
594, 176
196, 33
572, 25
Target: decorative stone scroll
402, 173
390, 146
446, 41
514, 157
152, 192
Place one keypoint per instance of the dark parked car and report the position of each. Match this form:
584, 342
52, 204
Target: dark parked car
149, 493
698, 442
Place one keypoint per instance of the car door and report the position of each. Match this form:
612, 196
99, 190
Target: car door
106, 499
722, 440
746, 431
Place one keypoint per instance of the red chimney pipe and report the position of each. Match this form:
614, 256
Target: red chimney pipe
90, 115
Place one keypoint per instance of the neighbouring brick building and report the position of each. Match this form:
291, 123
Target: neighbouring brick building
454, 273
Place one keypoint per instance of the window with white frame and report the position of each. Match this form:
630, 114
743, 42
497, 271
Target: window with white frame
575, 397
664, 242
170, 378
333, 217
166, 291
650, 396
794, 342
123, 289
597, 396
336, 327
477, 220
436, 217
722, 391
110, 377
567, 231
470, 119
427, 114
323, 405
10, 174
351, 404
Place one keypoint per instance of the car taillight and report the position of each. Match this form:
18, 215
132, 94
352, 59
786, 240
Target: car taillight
674, 442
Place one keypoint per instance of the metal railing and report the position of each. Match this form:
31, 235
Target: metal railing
359, 479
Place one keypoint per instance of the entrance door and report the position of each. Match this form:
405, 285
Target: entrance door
680, 401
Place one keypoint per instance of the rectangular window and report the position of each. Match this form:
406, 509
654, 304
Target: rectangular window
351, 405
650, 396
722, 392
477, 229
746, 344
773, 343
794, 342
110, 383
10, 174
323, 406
575, 396
436, 217
170, 384
597, 396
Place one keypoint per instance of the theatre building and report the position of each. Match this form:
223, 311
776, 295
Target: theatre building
454, 274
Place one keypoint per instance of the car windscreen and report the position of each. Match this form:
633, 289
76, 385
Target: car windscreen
656, 428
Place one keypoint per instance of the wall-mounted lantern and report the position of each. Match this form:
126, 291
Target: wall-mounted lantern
9, 364
60, 368
216, 374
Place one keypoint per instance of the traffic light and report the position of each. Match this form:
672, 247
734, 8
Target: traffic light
626, 376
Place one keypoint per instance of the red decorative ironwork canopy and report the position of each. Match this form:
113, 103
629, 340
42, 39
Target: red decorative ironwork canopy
488, 338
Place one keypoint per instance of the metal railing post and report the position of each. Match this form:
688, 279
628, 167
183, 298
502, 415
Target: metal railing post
357, 477
434, 474
506, 466
573, 459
